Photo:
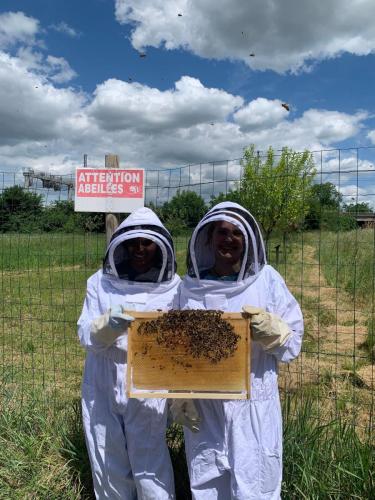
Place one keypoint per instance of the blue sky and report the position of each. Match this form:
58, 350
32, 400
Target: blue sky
72, 80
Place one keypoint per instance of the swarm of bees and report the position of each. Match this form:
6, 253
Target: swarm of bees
200, 333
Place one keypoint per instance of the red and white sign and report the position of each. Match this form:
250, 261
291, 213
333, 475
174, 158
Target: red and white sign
109, 190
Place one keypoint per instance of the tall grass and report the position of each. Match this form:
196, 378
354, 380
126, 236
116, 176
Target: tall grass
324, 460
348, 263
43, 455
42, 451
348, 260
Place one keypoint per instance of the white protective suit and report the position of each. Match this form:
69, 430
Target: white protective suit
238, 452
126, 437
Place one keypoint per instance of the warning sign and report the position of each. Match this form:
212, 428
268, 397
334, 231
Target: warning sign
109, 190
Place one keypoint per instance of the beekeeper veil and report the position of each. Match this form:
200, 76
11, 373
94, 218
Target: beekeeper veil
201, 255
142, 223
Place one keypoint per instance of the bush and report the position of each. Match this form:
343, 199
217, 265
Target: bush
56, 215
20, 210
60, 216
186, 206
176, 226
92, 222
332, 220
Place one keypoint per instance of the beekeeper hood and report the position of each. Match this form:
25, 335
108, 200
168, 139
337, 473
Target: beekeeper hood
142, 223
201, 255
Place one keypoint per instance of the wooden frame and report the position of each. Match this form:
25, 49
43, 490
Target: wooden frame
155, 371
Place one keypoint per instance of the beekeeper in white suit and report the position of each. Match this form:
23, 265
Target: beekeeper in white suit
126, 437
237, 454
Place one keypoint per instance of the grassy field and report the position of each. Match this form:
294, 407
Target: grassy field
328, 391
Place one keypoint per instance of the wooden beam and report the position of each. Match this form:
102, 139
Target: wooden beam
111, 220
112, 161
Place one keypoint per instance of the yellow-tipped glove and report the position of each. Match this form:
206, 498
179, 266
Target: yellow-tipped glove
110, 325
184, 412
267, 328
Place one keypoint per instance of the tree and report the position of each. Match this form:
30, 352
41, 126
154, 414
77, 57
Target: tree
93, 222
325, 202
60, 216
358, 208
327, 195
56, 215
187, 207
277, 190
232, 195
20, 210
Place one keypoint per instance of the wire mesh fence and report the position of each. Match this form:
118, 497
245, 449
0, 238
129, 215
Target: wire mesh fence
328, 262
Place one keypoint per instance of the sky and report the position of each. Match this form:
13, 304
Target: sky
166, 83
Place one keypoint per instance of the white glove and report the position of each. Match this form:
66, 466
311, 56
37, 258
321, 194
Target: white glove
184, 412
109, 326
267, 328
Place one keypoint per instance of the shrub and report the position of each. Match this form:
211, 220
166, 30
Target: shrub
20, 210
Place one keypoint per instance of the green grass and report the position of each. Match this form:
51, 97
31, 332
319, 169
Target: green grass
324, 460
370, 339
42, 451
43, 455
348, 260
23, 252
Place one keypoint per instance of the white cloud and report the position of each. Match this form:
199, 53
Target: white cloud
30, 107
284, 36
260, 113
371, 136
58, 70
352, 193
119, 105
65, 29
16, 27
349, 165
170, 138
55, 69
331, 126
146, 126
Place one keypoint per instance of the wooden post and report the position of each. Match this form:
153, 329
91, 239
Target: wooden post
277, 249
111, 220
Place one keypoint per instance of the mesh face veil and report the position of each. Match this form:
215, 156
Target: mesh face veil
201, 255
117, 258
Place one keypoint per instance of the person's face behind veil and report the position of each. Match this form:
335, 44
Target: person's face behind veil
142, 254
228, 246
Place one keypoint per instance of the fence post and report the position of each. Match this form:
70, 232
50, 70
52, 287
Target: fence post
277, 249
111, 220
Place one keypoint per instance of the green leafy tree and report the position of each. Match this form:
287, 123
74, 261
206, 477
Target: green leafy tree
56, 216
232, 195
358, 208
20, 210
277, 189
325, 202
60, 216
184, 210
327, 195
93, 222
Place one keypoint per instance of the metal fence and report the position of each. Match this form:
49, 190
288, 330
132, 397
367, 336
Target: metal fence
330, 271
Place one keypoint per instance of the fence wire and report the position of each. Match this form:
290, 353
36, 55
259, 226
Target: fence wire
330, 269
